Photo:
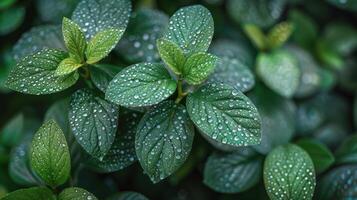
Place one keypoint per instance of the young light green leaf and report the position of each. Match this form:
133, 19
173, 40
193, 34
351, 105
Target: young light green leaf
67, 66
279, 71
35, 74
198, 67
163, 140
256, 35
320, 155
347, 152
74, 39
33, 193
50, 157
191, 28
102, 74
279, 34
233, 172
93, 121
128, 196
142, 84
11, 133
225, 114
102, 44
76, 193
171, 54
289, 173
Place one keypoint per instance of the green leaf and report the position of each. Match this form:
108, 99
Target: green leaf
35, 74
163, 140
256, 35
12, 132
93, 121
340, 183
50, 157
67, 66
102, 44
58, 112
289, 173
37, 39
198, 67
139, 41
279, 34
128, 196
74, 39
76, 193
94, 16
11, 19
320, 155
53, 11
279, 71
34, 193
303, 24
233, 172
142, 84
191, 28
347, 152
224, 114
102, 74
171, 54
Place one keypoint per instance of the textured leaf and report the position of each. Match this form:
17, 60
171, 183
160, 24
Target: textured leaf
94, 16
75, 193
13, 130
224, 114
11, 18
279, 34
171, 54
67, 66
233, 172
93, 121
34, 193
191, 28
140, 85
35, 74
53, 11
279, 71
347, 152
256, 35
163, 140
289, 173
320, 155
74, 39
128, 196
102, 44
198, 67
102, 74
139, 41
37, 39
50, 157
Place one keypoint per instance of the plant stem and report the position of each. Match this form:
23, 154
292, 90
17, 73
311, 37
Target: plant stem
180, 93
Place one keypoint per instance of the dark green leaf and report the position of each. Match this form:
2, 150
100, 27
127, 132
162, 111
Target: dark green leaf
289, 173
11, 133
171, 54
331, 134
128, 196
224, 114
75, 193
191, 28
347, 152
94, 16
140, 85
52, 11
320, 155
163, 140
303, 24
102, 74
34, 193
6, 3
93, 121
233, 172
50, 157
35, 74
10, 19
74, 39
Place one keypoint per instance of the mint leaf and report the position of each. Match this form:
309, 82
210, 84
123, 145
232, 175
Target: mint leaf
128, 196
224, 114
233, 172
74, 39
289, 173
76, 193
198, 67
139, 41
320, 155
37, 39
35, 74
347, 152
191, 28
67, 66
93, 121
163, 140
13, 130
50, 157
171, 54
94, 16
279, 71
33, 193
279, 34
102, 74
140, 85
102, 44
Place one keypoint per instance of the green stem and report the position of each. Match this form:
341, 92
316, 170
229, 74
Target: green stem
180, 93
